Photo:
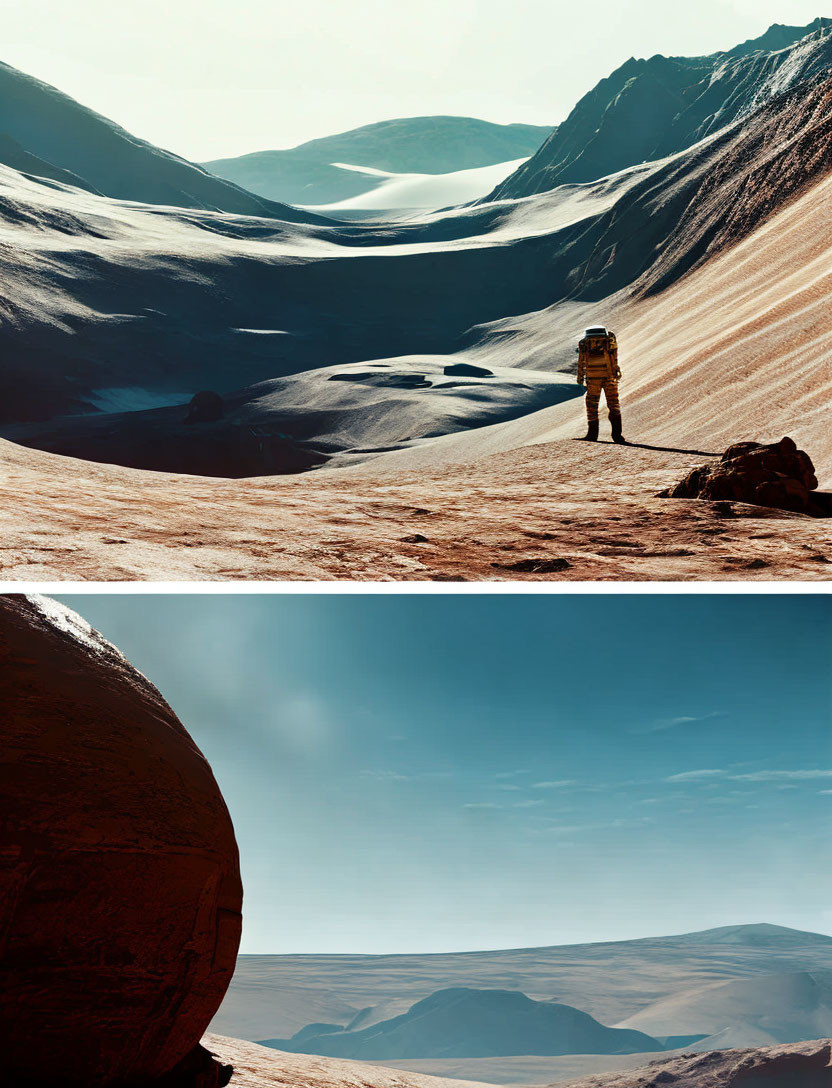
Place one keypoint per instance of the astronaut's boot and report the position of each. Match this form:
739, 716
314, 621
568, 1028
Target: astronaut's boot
591, 431
615, 424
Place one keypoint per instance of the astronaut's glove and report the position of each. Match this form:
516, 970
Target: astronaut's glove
617, 374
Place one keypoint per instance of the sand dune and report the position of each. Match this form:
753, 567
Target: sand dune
395, 192
414, 146
782, 1008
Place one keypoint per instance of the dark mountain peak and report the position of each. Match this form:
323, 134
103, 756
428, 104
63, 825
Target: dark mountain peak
647, 110
779, 36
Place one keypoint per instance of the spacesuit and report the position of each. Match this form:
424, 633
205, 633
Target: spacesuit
598, 369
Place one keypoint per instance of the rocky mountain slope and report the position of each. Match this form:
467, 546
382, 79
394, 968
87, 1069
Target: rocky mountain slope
648, 109
46, 133
467, 1023
308, 174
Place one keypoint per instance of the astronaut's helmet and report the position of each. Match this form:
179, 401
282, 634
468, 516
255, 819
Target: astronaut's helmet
596, 330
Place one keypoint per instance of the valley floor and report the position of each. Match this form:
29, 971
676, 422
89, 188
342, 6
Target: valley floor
556, 510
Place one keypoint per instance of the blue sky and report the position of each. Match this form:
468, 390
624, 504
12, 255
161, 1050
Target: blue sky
444, 772
210, 78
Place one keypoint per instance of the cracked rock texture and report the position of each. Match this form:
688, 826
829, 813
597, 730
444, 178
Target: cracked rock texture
120, 893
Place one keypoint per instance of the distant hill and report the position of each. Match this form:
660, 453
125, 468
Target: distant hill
47, 133
781, 1008
466, 1023
612, 981
648, 109
409, 145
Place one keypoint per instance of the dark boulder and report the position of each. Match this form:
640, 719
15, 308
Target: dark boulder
467, 370
777, 475
205, 407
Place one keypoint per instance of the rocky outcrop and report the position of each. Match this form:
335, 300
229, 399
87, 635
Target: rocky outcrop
797, 1065
120, 891
778, 475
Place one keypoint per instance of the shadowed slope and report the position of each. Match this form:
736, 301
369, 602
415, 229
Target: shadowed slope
467, 1023
69, 138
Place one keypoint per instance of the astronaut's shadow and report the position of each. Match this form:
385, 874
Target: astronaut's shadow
656, 449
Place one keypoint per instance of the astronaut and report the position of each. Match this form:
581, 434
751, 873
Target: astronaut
598, 369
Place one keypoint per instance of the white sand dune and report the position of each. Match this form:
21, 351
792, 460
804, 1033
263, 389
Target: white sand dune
395, 192
781, 1008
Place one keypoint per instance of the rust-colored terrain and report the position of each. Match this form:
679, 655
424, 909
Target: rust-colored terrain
712, 265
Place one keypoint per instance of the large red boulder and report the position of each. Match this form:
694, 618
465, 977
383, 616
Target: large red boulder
777, 475
120, 893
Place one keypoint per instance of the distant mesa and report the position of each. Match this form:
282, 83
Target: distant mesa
466, 1023
121, 918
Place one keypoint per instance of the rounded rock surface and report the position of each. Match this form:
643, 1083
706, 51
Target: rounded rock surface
120, 893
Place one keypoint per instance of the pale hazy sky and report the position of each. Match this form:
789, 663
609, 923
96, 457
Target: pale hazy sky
208, 78
438, 772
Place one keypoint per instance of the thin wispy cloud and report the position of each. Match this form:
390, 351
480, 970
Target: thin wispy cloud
555, 784
781, 776
697, 776
662, 724
482, 804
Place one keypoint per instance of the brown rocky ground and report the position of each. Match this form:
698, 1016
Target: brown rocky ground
260, 1067
560, 509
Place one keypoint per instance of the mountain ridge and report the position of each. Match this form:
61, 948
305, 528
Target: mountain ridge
68, 138
309, 175
650, 108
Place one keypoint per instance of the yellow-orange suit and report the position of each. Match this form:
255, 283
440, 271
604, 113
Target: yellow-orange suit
598, 369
